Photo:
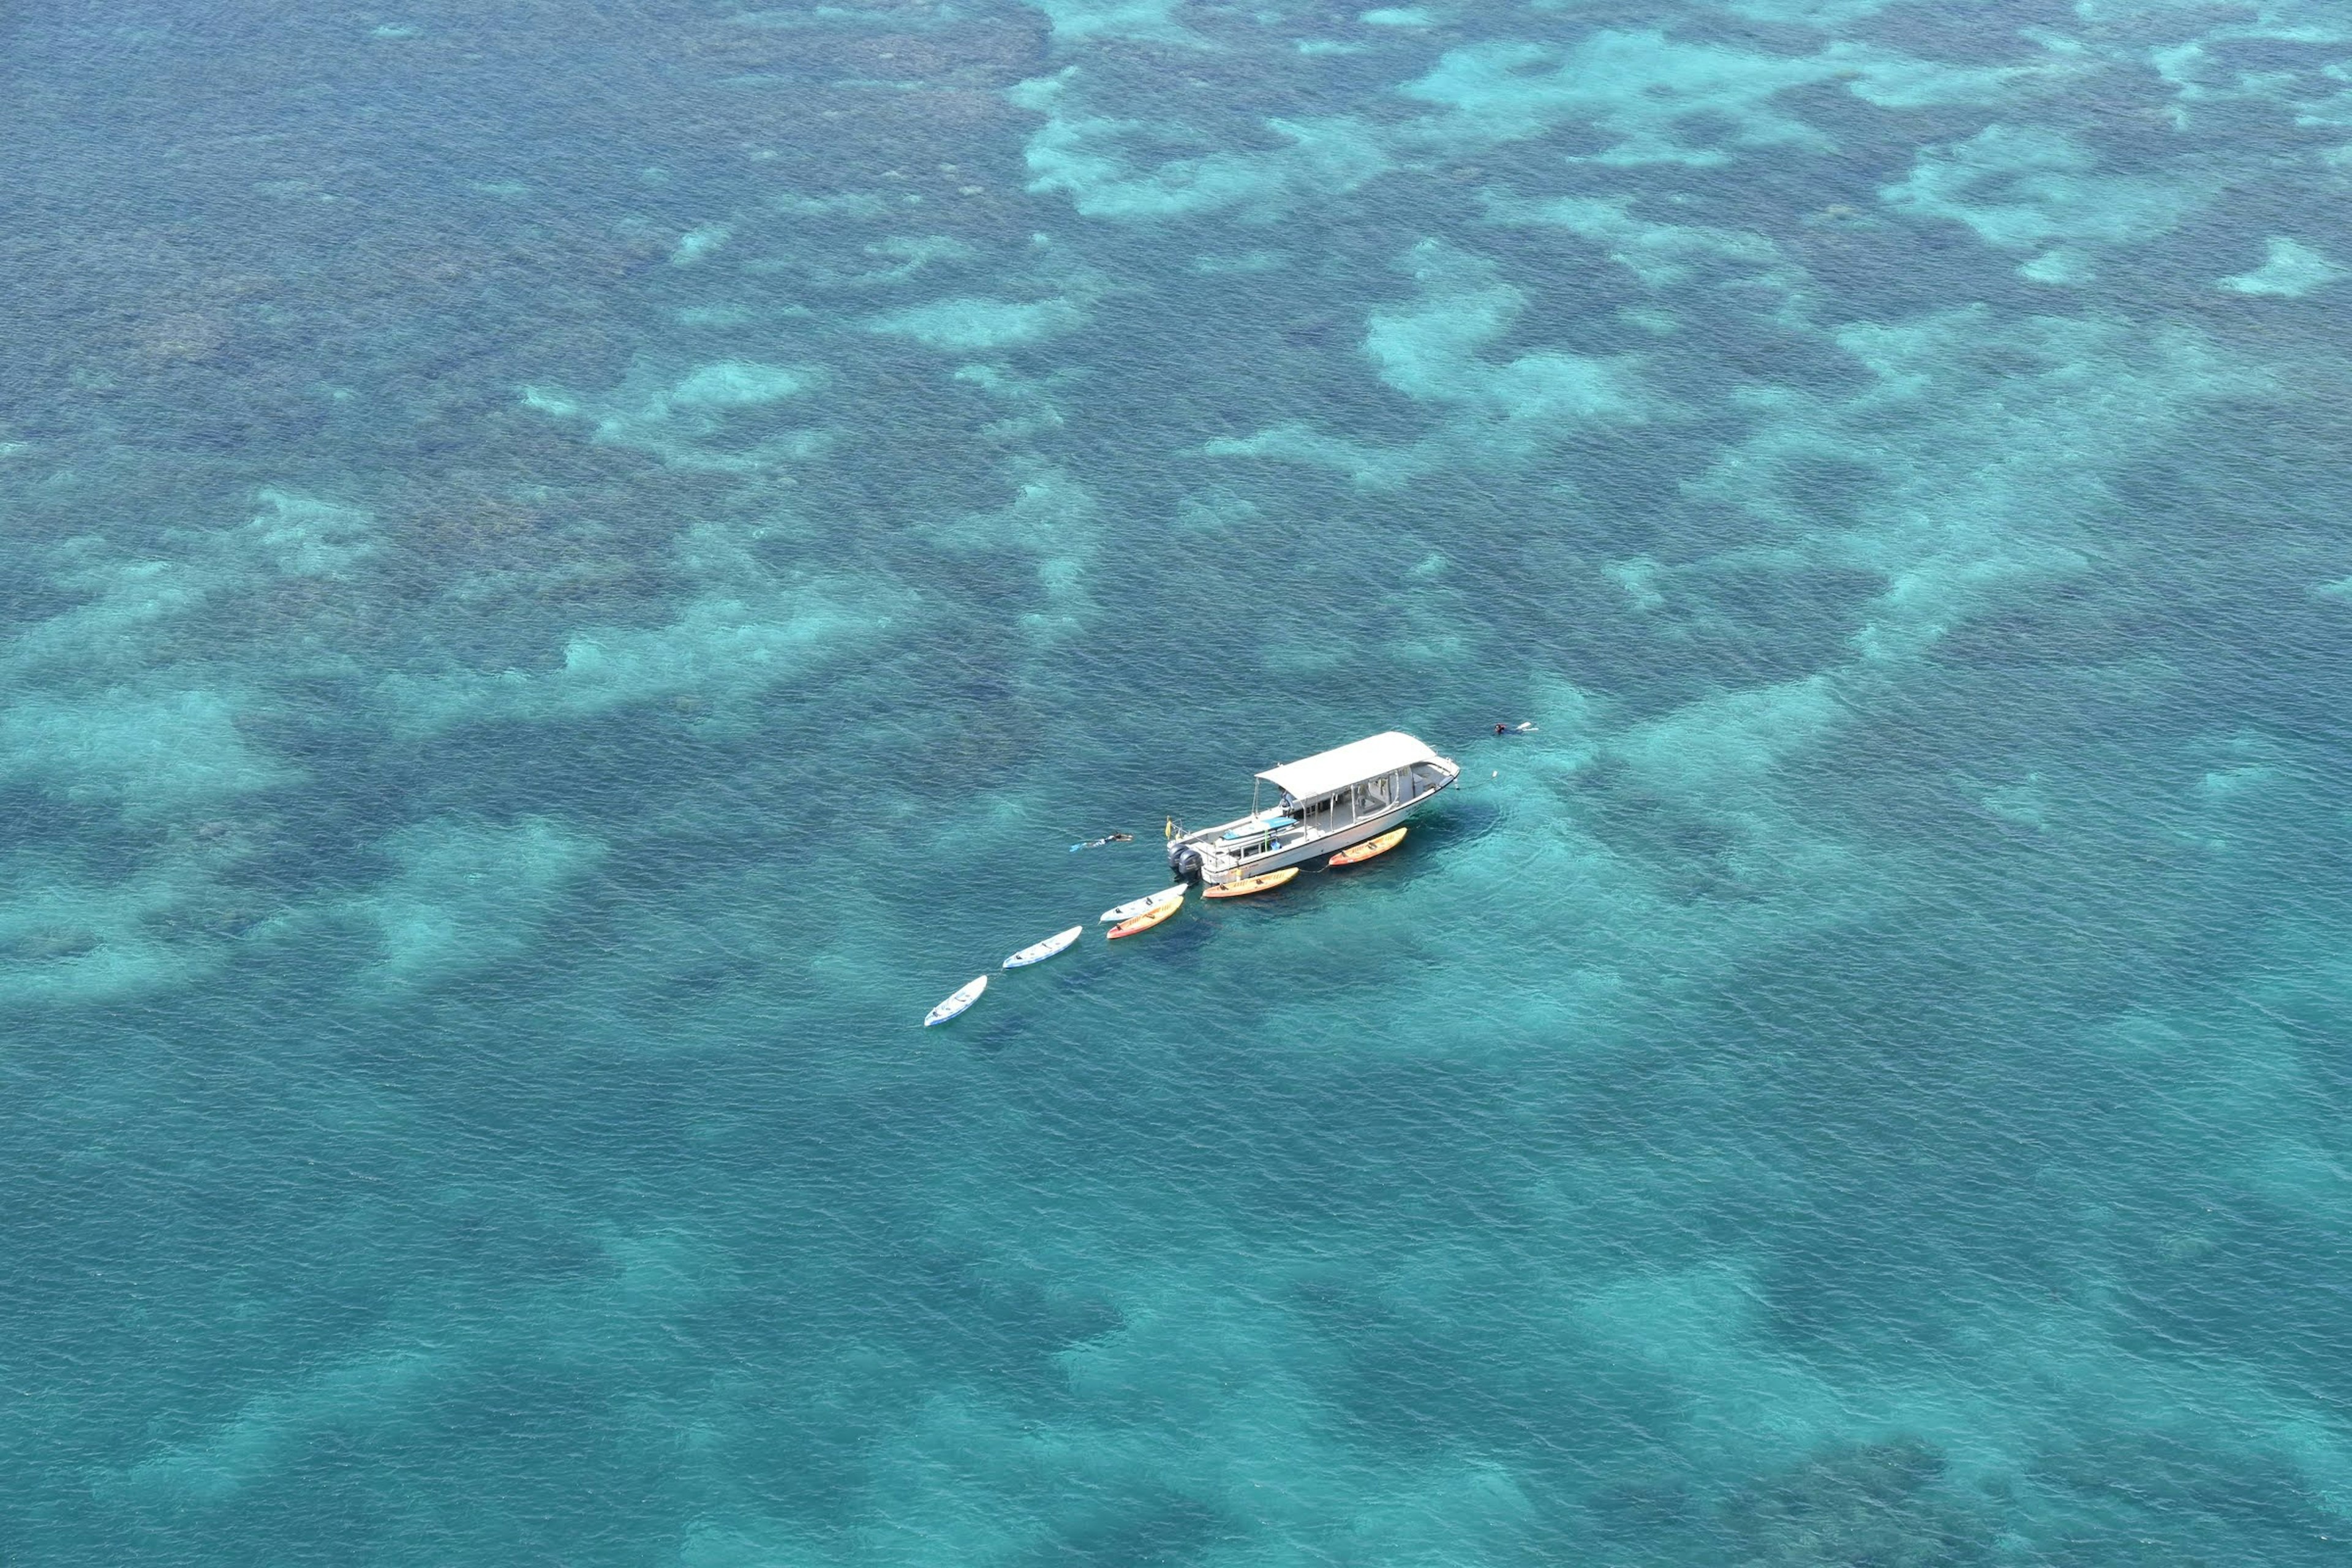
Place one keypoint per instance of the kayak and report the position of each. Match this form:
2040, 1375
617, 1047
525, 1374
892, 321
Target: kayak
1038, 951
1248, 885
1370, 848
1149, 918
1134, 907
964, 998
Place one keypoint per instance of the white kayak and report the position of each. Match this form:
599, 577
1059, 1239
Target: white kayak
956, 1004
1134, 907
1038, 951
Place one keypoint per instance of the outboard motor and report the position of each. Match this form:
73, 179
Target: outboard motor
1184, 860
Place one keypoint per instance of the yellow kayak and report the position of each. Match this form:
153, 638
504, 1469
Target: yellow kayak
1248, 885
1148, 918
1370, 848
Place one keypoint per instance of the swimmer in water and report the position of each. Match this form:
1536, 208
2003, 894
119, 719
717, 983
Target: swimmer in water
1105, 838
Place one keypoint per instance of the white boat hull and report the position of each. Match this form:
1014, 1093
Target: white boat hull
1312, 846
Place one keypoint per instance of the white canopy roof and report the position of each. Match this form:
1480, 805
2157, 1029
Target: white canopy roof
1370, 758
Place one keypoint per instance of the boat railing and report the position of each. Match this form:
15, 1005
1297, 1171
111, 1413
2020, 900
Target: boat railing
1220, 866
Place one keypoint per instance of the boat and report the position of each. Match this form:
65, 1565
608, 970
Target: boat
1038, 951
1370, 848
954, 1006
1149, 918
1264, 884
1134, 907
1324, 805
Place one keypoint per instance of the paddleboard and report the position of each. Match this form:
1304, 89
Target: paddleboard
1037, 951
1149, 918
956, 1004
1244, 888
1370, 848
1134, 907
1259, 826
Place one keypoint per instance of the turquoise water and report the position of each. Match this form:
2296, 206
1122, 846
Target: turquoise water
572, 570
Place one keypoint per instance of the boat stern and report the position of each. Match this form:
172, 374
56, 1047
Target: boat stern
1184, 861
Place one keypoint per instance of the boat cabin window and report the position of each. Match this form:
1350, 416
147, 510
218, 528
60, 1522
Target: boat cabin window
1365, 797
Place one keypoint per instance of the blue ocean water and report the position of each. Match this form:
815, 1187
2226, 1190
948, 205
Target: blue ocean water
571, 570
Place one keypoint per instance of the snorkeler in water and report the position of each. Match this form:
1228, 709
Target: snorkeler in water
1105, 838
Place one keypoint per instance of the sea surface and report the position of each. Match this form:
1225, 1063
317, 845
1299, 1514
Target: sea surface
570, 568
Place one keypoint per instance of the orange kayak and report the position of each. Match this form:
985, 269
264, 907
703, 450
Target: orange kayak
1248, 885
1370, 848
1147, 920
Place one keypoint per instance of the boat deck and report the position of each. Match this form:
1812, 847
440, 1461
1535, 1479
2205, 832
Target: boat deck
1220, 865
1339, 798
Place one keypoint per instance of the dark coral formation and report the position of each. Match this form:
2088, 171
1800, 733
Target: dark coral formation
1863, 1505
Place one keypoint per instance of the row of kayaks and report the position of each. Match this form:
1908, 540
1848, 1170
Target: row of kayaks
1138, 915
